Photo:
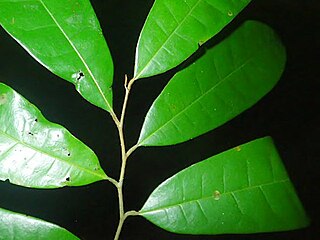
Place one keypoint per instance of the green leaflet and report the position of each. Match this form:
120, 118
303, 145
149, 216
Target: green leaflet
18, 226
66, 38
37, 153
228, 79
175, 29
242, 190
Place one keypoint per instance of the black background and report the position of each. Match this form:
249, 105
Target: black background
290, 114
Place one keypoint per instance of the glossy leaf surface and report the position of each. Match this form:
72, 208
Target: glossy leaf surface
37, 153
228, 79
65, 37
175, 29
242, 190
18, 226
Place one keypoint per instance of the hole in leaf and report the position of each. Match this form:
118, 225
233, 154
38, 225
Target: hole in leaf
68, 179
78, 76
36, 120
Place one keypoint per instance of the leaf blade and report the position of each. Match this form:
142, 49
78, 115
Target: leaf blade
174, 30
37, 153
219, 195
18, 226
67, 40
226, 80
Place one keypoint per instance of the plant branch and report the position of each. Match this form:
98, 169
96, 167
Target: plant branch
132, 149
124, 157
127, 214
113, 181
127, 87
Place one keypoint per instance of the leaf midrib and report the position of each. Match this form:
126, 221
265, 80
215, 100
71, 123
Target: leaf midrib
168, 38
196, 100
51, 156
77, 52
211, 196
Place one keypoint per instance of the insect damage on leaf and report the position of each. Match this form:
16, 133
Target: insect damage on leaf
78, 76
201, 42
216, 195
238, 149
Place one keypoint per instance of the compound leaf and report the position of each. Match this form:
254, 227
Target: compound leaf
175, 29
242, 190
37, 153
228, 79
66, 38
18, 226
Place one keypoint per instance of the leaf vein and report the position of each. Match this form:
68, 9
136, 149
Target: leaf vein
194, 101
167, 40
211, 196
78, 53
47, 154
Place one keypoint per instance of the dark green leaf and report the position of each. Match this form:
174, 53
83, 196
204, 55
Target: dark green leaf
65, 37
243, 190
19, 226
225, 81
175, 29
37, 153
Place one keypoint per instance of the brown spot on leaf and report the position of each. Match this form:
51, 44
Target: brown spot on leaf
216, 195
238, 149
3, 99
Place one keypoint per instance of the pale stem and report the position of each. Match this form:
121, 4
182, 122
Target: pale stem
113, 181
124, 157
127, 214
